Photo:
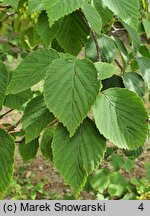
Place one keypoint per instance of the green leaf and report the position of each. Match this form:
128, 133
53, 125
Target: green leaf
34, 6
7, 150
116, 161
72, 34
134, 65
71, 85
129, 165
57, 9
100, 196
129, 196
28, 151
93, 17
144, 65
144, 51
105, 70
133, 154
46, 142
105, 13
126, 10
30, 37
147, 166
100, 180
17, 101
31, 70
35, 118
117, 177
46, 33
13, 3
3, 82
122, 50
146, 24
108, 49
134, 35
135, 83
115, 190
119, 120
77, 157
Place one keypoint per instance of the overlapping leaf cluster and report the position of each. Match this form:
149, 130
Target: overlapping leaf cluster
83, 101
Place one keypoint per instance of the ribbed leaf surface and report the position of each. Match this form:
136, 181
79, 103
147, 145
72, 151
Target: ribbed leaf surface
122, 50
126, 10
3, 83
16, 101
7, 149
105, 70
46, 33
135, 83
36, 117
70, 89
13, 3
108, 49
93, 17
34, 6
120, 116
144, 65
57, 9
134, 35
72, 34
78, 156
146, 24
31, 70
105, 13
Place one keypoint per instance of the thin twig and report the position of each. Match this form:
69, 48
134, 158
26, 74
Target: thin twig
14, 126
4, 6
6, 113
15, 132
93, 35
53, 122
13, 47
8, 15
117, 29
119, 65
140, 165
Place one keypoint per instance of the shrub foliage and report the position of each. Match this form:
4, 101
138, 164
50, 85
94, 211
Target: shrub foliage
77, 83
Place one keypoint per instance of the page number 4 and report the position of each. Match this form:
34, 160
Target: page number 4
141, 207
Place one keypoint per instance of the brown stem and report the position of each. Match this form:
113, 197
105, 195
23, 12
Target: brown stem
5, 6
15, 132
6, 113
119, 65
139, 165
8, 15
14, 126
13, 47
93, 35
